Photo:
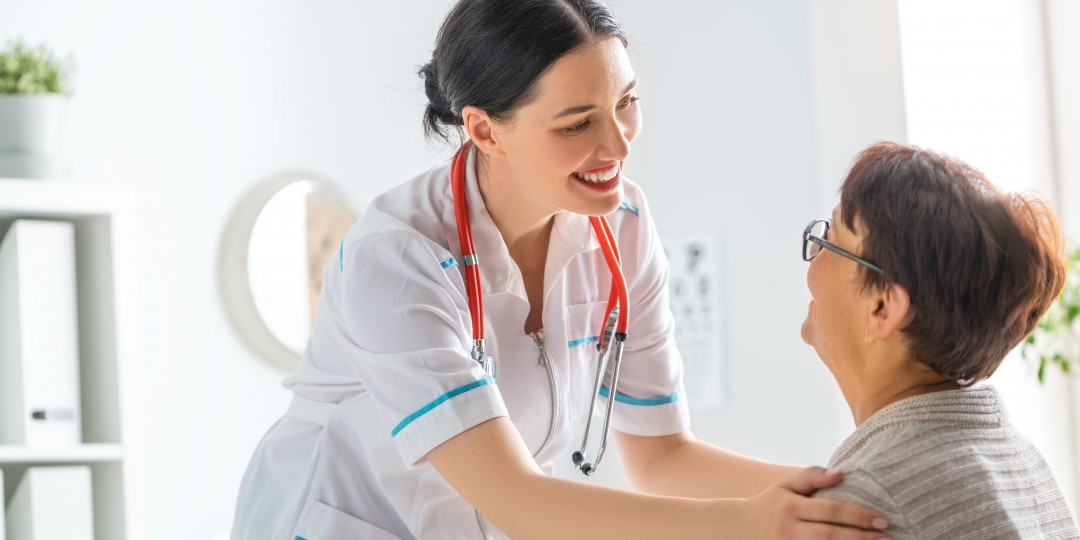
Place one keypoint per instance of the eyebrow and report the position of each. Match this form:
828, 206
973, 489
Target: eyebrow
586, 108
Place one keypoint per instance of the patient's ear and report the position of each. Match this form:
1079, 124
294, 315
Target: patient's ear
889, 312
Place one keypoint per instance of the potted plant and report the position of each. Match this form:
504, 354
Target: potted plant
34, 93
1056, 340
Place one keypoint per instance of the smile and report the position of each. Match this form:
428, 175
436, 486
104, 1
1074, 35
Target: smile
598, 176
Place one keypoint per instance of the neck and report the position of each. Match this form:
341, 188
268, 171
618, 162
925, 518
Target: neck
524, 224
892, 380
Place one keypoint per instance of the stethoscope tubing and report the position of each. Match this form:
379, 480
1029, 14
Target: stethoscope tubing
612, 331
470, 261
619, 295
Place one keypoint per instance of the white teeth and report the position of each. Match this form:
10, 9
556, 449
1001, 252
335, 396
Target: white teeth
599, 178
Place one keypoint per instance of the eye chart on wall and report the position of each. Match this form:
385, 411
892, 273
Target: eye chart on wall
696, 292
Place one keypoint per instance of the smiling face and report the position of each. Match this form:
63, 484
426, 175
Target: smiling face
836, 319
564, 149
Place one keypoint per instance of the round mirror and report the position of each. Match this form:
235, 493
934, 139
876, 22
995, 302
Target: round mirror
282, 234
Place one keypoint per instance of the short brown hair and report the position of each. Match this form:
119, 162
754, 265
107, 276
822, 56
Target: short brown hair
980, 265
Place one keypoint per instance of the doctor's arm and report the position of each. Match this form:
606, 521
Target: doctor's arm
680, 465
490, 466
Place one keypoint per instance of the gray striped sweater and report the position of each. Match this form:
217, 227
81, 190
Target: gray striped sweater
949, 465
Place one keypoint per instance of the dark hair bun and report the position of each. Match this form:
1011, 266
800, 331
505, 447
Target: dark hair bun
439, 108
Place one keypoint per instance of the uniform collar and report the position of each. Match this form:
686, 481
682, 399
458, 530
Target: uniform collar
571, 235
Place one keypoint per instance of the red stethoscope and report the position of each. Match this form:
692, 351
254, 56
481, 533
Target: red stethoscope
612, 328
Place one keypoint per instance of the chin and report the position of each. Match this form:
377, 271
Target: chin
604, 207
609, 209
806, 332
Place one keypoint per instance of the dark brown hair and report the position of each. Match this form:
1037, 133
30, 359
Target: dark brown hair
491, 54
980, 265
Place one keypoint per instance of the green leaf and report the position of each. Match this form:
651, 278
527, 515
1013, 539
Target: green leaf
1057, 325
25, 70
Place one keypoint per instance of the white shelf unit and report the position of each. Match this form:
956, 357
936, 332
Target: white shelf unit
13, 455
102, 218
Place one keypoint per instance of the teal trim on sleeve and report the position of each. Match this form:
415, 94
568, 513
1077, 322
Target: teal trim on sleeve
438, 401
579, 341
448, 263
341, 259
630, 207
623, 398
300, 538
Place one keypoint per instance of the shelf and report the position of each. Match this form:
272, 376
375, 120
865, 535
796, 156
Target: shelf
85, 453
104, 259
53, 198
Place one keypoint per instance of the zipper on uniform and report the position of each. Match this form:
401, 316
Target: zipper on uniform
545, 362
480, 522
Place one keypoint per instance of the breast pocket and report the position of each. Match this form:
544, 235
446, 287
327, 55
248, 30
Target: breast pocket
320, 521
583, 325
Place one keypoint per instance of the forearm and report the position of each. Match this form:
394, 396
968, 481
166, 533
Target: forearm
592, 511
491, 468
686, 467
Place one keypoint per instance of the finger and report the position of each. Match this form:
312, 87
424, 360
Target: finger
839, 513
830, 532
812, 479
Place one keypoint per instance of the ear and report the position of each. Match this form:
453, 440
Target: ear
481, 129
889, 310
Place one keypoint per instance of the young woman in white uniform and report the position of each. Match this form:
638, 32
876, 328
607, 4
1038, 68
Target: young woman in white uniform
395, 431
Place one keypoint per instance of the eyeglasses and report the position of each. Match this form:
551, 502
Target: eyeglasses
813, 240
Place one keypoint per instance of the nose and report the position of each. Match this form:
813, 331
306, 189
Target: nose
616, 142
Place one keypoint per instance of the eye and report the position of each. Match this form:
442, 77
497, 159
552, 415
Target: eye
628, 102
577, 128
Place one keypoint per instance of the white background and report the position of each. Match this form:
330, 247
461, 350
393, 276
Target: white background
753, 111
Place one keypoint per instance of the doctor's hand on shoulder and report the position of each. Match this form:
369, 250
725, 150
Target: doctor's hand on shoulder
492, 469
785, 511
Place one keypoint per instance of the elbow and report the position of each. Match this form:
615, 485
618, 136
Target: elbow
644, 459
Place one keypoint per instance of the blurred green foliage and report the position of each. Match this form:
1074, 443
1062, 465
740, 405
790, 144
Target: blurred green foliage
1055, 339
33, 70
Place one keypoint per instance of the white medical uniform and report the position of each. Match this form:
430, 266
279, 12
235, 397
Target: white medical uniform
386, 376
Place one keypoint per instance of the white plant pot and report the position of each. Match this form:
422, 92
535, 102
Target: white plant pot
32, 134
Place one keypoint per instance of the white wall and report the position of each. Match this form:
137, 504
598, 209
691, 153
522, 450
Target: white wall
1061, 18
753, 110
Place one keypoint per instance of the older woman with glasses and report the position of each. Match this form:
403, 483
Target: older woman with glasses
926, 276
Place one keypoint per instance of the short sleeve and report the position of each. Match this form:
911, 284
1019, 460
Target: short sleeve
650, 398
402, 312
